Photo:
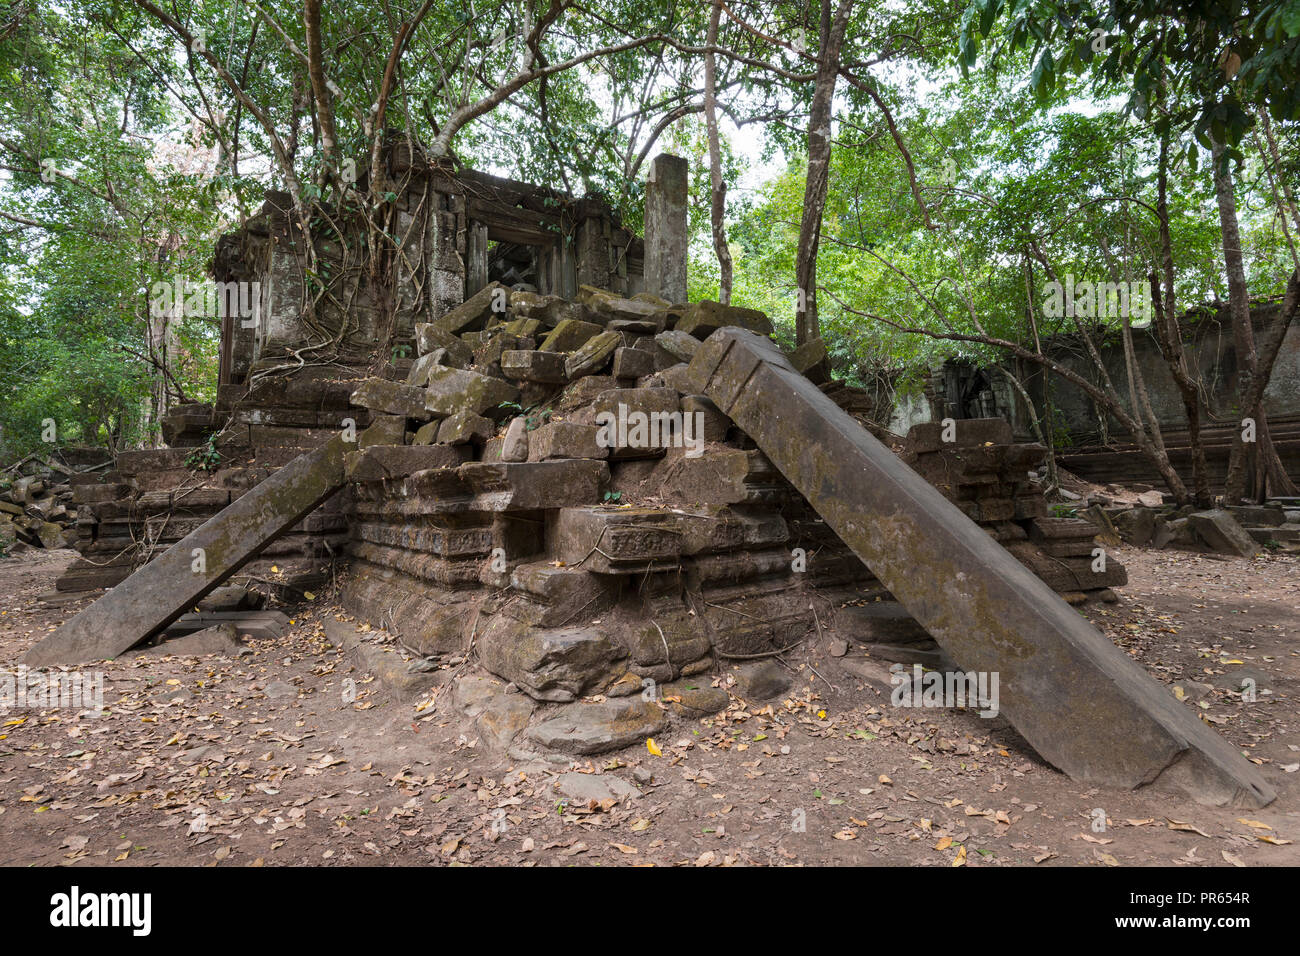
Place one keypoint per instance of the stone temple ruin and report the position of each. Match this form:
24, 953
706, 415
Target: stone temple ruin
529, 451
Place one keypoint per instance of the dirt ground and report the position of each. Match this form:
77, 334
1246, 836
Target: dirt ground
258, 760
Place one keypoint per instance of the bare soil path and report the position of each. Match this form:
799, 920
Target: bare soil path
262, 759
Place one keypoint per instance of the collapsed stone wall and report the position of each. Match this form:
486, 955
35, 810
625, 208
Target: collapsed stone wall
287, 371
36, 500
155, 497
536, 482
485, 513
447, 235
499, 508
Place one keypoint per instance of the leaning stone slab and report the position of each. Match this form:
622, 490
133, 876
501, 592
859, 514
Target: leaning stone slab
472, 314
453, 390
1075, 697
1222, 532
165, 588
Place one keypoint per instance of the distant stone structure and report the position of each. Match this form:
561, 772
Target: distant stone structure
1096, 447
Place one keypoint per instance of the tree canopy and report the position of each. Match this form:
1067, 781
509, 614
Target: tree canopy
900, 179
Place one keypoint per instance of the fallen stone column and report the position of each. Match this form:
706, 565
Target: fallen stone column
173, 583
1075, 697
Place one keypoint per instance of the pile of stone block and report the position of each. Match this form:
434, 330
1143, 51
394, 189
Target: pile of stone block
549, 487
1275, 524
36, 509
501, 501
977, 466
36, 497
501, 516
491, 511
1239, 530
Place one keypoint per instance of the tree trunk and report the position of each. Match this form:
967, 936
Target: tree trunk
1138, 395
718, 207
319, 85
1277, 480
830, 35
1260, 453
1046, 432
1169, 335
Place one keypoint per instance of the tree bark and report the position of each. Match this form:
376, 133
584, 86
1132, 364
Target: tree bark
1169, 335
830, 32
1277, 480
718, 206
1046, 433
1268, 470
1139, 397
319, 86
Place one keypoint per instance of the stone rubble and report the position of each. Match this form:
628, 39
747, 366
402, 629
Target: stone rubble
485, 511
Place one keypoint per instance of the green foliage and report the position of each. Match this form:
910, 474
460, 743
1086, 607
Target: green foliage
535, 418
1223, 58
127, 154
110, 193
205, 458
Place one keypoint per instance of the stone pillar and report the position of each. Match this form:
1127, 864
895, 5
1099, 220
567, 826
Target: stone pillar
665, 228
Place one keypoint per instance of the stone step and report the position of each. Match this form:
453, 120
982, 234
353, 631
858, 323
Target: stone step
258, 624
1282, 535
